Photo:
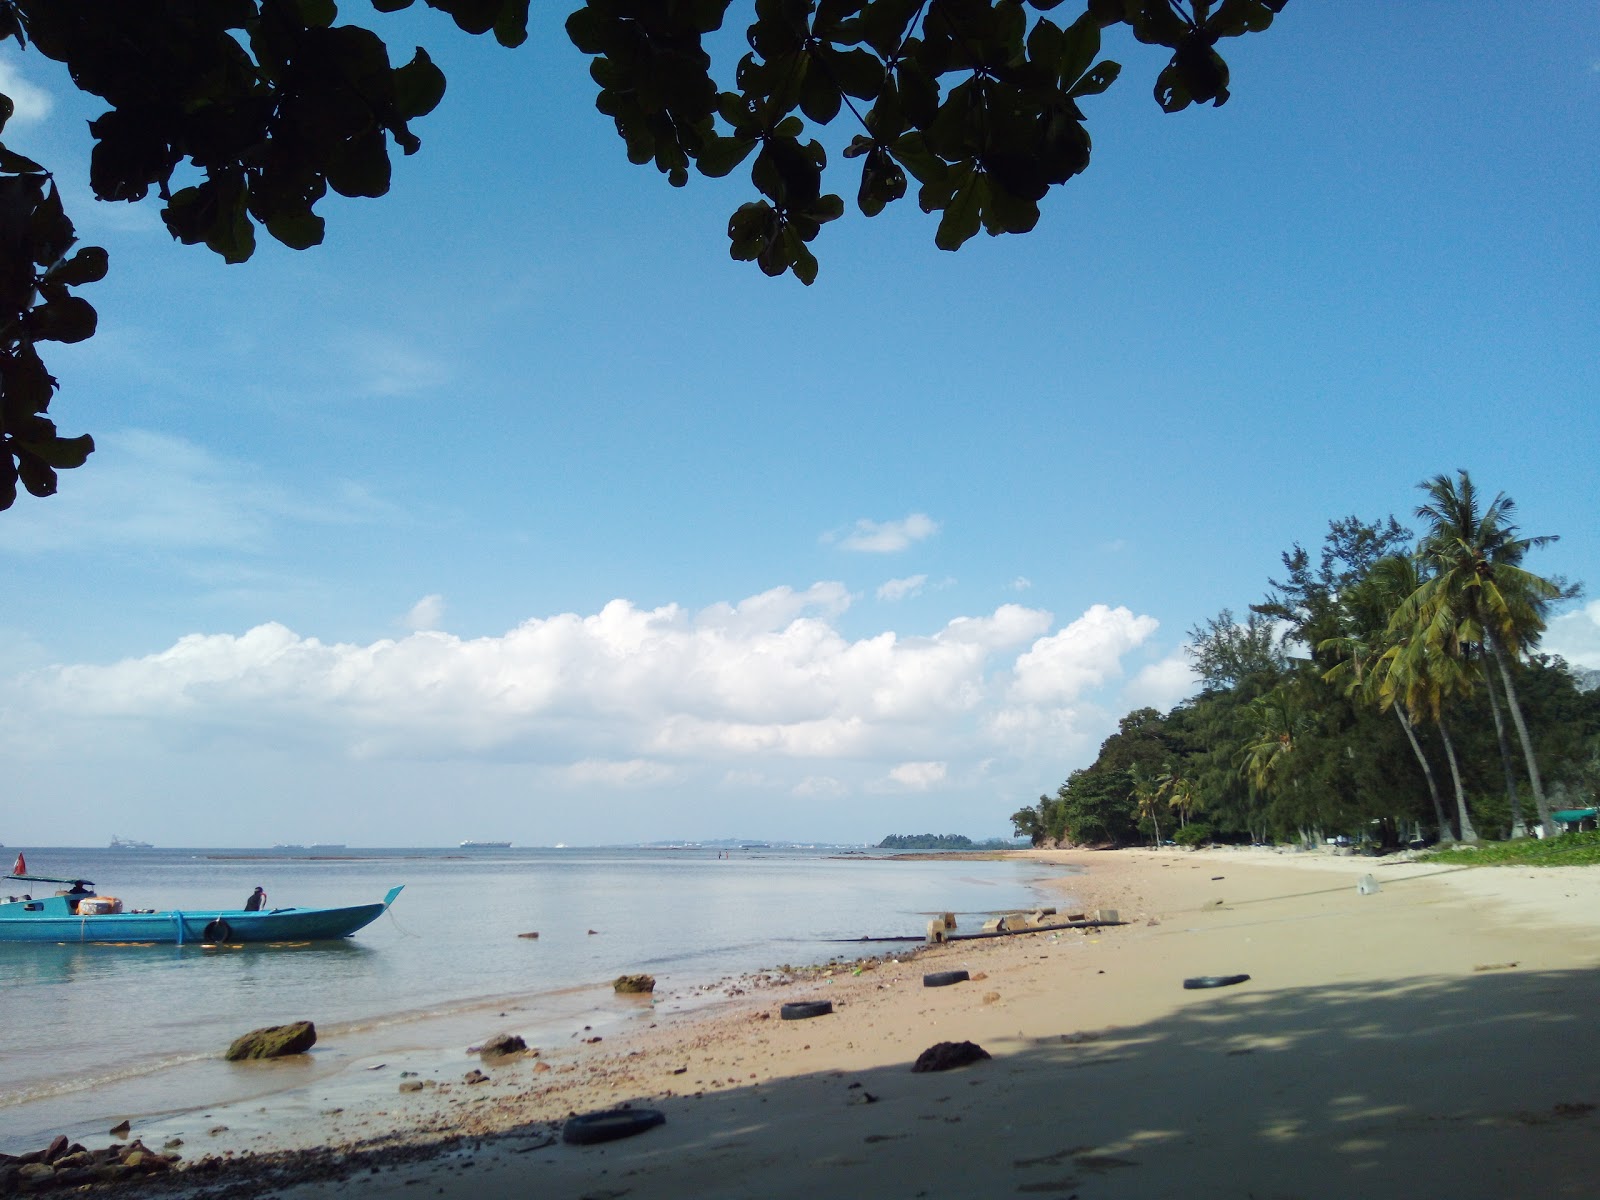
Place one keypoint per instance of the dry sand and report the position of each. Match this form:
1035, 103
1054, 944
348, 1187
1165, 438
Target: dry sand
1433, 1039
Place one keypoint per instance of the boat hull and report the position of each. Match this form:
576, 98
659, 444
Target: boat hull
192, 927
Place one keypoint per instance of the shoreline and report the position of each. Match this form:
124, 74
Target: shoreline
1442, 1019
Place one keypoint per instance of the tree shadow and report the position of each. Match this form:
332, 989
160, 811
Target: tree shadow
1481, 1085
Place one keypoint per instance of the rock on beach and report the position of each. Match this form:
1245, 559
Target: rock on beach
274, 1041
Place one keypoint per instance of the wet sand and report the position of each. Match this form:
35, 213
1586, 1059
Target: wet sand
1433, 1038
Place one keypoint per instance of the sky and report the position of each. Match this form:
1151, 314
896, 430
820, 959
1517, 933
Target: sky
518, 511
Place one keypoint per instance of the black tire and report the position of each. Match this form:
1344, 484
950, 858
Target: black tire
218, 931
944, 978
1213, 981
801, 1010
589, 1129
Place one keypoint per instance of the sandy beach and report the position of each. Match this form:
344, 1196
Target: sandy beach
1432, 1038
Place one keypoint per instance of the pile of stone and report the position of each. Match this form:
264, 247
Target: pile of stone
60, 1165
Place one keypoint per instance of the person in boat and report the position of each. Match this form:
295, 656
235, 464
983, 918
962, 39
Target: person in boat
257, 901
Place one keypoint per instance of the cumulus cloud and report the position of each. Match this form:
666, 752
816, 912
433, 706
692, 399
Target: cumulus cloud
1575, 636
1162, 684
887, 537
33, 103
899, 589
767, 693
426, 613
1084, 655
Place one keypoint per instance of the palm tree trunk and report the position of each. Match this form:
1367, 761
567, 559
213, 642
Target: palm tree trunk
1539, 801
1445, 835
1518, 829
1468, 833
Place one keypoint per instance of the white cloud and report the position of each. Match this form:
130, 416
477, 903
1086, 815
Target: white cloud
1575, 636
899, 589
1021, 583
1162, 684
887, 537
919, 775
1084, 655
426, 613
764, 694
33, 102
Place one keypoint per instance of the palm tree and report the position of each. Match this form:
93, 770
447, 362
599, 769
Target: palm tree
1266, 759
1479, 592
1423, 679
1179, 794
1365, 611
1146, 795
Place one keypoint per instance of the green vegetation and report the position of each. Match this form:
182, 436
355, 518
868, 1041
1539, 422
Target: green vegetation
1388, 693
256, 109
1568, 850
927, 841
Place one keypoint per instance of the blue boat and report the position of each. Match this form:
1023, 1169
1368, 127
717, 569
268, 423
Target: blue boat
77, 915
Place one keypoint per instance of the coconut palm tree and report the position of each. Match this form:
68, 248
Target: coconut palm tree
1479, 592
1365, 610
1423, 679
1146, 795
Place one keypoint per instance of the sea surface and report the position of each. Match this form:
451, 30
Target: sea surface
90, 1033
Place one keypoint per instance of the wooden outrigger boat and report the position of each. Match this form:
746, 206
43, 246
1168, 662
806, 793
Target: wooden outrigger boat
78, 915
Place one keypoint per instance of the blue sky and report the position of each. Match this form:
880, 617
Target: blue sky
518, 510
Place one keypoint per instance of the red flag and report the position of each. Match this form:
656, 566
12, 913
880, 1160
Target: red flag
21, 867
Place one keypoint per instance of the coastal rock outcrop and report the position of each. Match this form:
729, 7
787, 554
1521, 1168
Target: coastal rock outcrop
274, 1041
63, 1165
634, 984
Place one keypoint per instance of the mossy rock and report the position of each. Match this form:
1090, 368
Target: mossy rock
634, 984
275, 1041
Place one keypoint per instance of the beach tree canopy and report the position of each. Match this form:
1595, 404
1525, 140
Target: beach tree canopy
1329, 708
241, 115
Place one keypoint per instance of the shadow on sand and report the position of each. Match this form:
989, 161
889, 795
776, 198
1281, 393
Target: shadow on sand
1478, 1086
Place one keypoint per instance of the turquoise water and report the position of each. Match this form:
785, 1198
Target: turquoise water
86, 1024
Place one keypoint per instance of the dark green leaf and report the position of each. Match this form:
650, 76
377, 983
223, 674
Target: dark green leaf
1080, 44
360, 167
1097, 80
297, 230
720, 155
88, 265
59, 452
418, 87
963, 216
16, 164
68, 320
316, 14
38, 476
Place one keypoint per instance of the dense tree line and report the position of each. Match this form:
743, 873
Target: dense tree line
1388, 689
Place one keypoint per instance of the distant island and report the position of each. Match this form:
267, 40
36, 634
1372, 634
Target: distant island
941, 841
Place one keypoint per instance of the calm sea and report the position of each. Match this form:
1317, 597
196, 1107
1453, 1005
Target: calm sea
96, 1031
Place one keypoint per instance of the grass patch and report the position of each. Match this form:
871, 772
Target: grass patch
1568, 850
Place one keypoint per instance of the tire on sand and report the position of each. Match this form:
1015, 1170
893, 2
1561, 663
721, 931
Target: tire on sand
589, 1129
801, 1010
1213, 981
944, 978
